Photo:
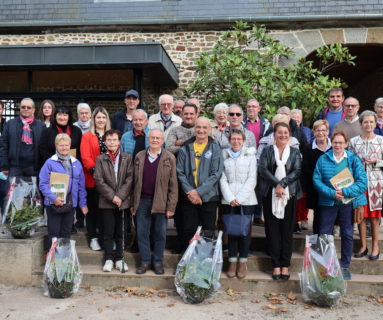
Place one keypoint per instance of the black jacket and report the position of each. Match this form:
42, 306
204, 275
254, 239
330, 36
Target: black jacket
47, 146
119, 120
267, 167
10, 143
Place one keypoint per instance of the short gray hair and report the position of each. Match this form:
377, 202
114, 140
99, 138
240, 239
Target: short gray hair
234, 105
165, 95
296, 111
140, 111
220, 106
368, 113
83, 105
284, 110
28, 99
378, 101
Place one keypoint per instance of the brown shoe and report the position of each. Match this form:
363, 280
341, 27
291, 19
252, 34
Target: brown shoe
258, 222
158, 268
232, 269
241, 270
142, 269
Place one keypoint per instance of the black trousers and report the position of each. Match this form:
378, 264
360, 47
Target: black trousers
112, 219
59, 224
204, 215
279, 233
94, 217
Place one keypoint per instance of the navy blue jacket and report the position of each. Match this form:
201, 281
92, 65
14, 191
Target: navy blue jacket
119, 120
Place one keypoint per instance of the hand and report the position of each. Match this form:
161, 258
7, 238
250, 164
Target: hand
179, 143
279, 191
194, 197
84, 210
6, 172
133, 211
371, 160
58, 202
234, 203
339, 195
169, 214
117, 201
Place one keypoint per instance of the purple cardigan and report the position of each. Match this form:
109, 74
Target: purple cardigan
78, 185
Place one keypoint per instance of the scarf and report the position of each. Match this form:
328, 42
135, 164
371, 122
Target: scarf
279, 204
166, 120
380, 123
26, 136
101, 143
234, 154
84, 126
61, 129
114, 155
65, 160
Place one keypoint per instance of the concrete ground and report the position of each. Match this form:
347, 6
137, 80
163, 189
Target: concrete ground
130, 303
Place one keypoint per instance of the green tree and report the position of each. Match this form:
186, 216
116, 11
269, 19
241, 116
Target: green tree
244, 64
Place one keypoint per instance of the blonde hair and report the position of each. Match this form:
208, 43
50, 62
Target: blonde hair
92, 127
319, 123
64, 137
280, 118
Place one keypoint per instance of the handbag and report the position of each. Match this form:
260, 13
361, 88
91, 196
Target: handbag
237, 224
68, 205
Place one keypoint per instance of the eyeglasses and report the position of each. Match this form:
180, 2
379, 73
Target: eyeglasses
251, 106
154, 138
111, 140
237, 114
321, 130
166, 104
351, 105
379, 107
26, 107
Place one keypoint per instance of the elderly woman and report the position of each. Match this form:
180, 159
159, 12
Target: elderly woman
378, 107
113, 176
220, 118
46, 112
279, 169
84, 113
59, 224
310, 155
92, 145
334, 202
237, 183
296, 114
369, 148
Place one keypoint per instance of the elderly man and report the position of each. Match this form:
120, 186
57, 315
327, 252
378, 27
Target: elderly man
235, 117
136, 140
350, 124
165, 119
122, 120
297, 116
154, 200
254, 122
19, 154
84, 113
199, 168
177, 109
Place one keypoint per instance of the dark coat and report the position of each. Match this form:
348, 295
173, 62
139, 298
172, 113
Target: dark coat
119, 120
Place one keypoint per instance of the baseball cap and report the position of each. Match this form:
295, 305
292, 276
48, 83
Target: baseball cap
133, 93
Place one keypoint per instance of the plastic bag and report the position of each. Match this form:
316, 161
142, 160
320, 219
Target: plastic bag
321, 279
24, 210
62, 273
198, 272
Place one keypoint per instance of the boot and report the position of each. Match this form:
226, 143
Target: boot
232, 269
241, 270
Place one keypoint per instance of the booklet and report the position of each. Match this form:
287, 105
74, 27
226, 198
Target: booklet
342, 180
59, 184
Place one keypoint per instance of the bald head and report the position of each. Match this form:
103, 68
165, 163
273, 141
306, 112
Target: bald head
202, 129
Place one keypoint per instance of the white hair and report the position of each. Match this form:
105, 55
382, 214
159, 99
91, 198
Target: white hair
220, 106
140, 111
83, 105
165, 95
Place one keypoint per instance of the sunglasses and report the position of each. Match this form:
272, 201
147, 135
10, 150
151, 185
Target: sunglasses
26, 107
232, 114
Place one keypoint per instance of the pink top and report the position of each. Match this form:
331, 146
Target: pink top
255, 128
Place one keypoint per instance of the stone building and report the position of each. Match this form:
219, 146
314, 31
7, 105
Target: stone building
94, 50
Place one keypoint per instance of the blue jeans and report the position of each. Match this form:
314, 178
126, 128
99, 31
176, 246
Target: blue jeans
150, 226
327, 219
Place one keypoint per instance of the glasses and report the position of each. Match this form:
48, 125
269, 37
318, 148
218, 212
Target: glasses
166, 104
252, 107
321, 130
379, 107
237, 114
351, 105
155, 138
26, 107
112, 140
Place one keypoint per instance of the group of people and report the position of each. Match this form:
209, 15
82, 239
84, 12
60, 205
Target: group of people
197, 170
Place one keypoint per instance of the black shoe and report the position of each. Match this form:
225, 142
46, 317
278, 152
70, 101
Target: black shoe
297, 229
276, 276
285, 276
74, 230
361, 254
158, 268
142, 269
374, 257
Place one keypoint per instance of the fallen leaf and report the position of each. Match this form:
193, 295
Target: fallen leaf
100, 309
380, 300
270, 306
369, 300
162, 294
292, 301
275, 300
231, 314
291, 296
256, 301
171, 304
283, 310
86, 287
230, 292
92, 302
308, 306
8, 315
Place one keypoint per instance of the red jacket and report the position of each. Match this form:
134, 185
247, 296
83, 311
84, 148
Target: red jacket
90, 150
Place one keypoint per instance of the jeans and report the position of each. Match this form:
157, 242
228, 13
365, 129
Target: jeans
344, 213
150, 226
112, 219
59, 224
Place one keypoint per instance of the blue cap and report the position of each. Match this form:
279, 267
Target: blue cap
133, 93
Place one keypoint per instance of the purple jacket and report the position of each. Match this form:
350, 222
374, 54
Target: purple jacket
78, 185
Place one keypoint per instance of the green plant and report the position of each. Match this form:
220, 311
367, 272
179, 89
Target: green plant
21, 221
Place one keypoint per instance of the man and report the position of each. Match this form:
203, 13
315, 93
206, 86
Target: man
84, 113
196, 102
19, 155
177, 109
165, 119
254, 122
136, 140
154, 200
199, 167
334, 112
122, 120
350, 124
235, 117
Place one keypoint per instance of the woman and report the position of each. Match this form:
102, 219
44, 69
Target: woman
220, 118
333, 201
84, 113
311, 154
62, 124
280, 168
369, 148
113, 176
59, 224
237, 182
46, 112
92, 145
378, 107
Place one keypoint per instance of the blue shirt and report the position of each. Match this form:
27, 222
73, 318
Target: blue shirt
333, 118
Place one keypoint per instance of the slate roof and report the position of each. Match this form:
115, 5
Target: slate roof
82, 12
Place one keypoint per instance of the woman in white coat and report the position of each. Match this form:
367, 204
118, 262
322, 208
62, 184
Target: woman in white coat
237, 183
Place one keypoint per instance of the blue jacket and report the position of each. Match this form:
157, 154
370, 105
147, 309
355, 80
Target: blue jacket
325, 170
128, 141
77, 188
119, 120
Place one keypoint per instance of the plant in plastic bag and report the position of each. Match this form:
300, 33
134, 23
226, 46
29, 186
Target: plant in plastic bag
321, 279
62, 273
23, 211
199, 270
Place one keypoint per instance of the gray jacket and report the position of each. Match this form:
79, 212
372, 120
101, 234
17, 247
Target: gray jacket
222, 138
209, 171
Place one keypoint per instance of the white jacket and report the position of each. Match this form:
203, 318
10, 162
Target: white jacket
239, 177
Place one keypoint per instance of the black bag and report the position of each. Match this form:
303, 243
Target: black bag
66, 208
237, 224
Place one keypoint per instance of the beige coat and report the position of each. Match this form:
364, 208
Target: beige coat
106, 183
166, 188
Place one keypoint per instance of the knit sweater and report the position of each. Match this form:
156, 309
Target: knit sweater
178, 133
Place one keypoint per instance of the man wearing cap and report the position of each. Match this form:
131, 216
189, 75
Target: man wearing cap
122, 120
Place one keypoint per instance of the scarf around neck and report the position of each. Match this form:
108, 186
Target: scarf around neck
84, 125
61, 129
26, 135
65, 160
279, 204
114, 155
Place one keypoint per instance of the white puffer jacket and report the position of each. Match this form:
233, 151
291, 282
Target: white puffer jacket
239, 177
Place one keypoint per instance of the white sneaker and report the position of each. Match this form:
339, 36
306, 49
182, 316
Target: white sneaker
119, 265
94, 245
108, 266
304, 225
336, 231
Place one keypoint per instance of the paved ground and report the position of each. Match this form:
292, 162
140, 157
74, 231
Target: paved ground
130, 303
